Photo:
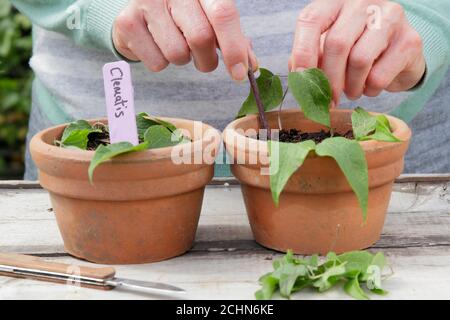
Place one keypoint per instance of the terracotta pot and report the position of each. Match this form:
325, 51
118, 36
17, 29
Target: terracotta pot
318, 211
141, 207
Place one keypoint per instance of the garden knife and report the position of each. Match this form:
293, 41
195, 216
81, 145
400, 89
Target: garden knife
23, 266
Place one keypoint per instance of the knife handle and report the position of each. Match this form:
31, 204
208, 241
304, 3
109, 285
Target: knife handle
30, 262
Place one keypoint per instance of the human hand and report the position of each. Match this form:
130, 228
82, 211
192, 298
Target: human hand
364, 46
159, 32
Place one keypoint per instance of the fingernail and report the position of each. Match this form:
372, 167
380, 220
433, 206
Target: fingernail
238, 72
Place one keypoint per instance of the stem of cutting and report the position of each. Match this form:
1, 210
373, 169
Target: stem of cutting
254, 87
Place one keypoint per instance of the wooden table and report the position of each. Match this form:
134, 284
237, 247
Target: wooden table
225, 262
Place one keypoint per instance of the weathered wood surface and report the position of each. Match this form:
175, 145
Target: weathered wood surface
225, 262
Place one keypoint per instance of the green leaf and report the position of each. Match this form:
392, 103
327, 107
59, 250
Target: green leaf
357, 263
383, 130
353, 289
143, 122
76, 125
330, 277
332, 257
269, 286
314, 260
77, 138
369, 268
287, 275
76, 134
371, 262
159, 136
374, 273
301, 283
383, 120
363, 123
311, 264
364, 258
285, 159
351, 159
287, 282
380, 292
369, 127
105, 153
312, 91
270, 91
292, 274
379, 260
166, 124
288, 258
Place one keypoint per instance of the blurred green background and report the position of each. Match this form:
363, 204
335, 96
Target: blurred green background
15, 89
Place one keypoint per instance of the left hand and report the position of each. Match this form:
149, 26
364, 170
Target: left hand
364, 46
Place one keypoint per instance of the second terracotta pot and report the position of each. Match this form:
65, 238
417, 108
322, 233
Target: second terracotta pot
318, 211
142, 207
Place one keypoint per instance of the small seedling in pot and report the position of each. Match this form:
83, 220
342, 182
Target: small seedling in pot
312, 91
152, 132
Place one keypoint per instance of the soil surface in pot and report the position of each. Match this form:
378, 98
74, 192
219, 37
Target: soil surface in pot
96, 139
295, 135
99, 138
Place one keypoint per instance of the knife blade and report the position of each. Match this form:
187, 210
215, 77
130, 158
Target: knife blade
152, 287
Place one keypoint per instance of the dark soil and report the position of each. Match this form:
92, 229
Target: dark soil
98, 138
295, 136
292, 136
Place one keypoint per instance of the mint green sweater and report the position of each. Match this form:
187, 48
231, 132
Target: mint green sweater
431, 18
68, 55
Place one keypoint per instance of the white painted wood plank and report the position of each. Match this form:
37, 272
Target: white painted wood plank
419, 219
419, 274
418, 197
26, 225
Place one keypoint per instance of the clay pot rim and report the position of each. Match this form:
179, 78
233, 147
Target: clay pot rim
229, 135
78, 155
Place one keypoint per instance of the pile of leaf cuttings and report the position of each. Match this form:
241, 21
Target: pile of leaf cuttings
359, 272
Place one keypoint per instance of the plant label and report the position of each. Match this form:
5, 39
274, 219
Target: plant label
119, 96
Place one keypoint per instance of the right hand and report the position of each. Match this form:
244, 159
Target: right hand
159, 32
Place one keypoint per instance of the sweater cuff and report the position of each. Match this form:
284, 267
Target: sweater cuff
435, 46
100, 19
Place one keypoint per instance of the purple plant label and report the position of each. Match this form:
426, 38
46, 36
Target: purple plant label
120, 102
